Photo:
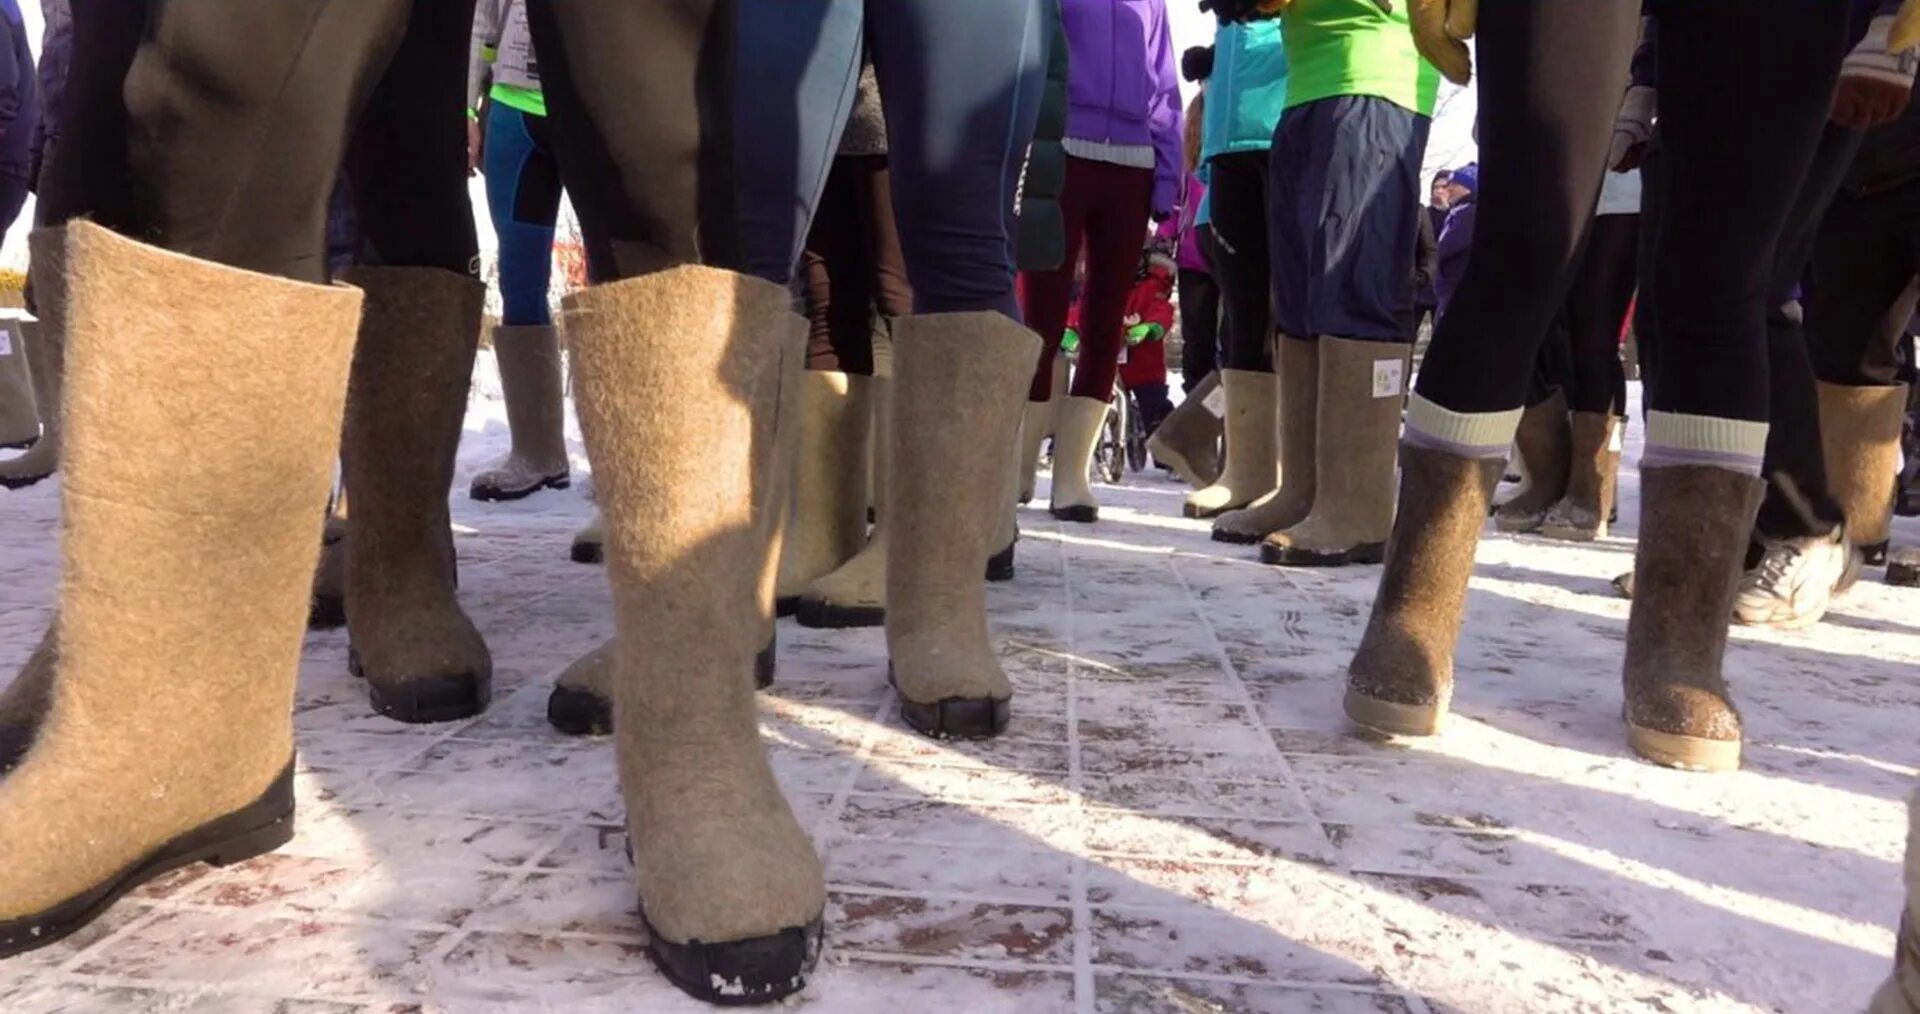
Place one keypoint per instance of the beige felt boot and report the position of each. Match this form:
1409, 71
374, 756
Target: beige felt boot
683, 439
1900, 994
1545, 440
19, 421
1188, 439
1585, 512
827, 524
1860, 429
46, 359
1036, 425
855, 594
1299, 379
960, 376
529, 358
1361, 387
1695, 521
168, 739
419, 653
1252, 469
1080, 423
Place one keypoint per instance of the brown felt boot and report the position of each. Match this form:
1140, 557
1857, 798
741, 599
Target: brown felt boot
1036, 425
960, 377
1545, 442
1188, 440
1694, 525
1361, 387
1401, 680
1584, 513
1081, 420
529, 359
409, 639
19, 420
683, 437
23, 703
168, 738
1299, 372
828, 521
46, 345
1900, 994
1252, 468
1860, 431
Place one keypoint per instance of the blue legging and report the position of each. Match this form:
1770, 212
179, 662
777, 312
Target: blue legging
961, 83
523, 196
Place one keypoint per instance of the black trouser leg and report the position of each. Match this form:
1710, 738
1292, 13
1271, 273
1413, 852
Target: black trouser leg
1866, 253
640, 96
1241, 263
1597, 308
1551, 78
1199, 326
1553, 367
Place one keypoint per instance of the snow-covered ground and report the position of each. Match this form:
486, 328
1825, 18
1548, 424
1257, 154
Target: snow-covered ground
1178, 819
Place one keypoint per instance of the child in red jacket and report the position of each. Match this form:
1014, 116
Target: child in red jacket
1148, 318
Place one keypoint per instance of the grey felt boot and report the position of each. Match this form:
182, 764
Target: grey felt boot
529, 358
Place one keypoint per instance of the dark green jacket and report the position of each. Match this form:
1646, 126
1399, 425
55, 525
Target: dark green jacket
1043, 229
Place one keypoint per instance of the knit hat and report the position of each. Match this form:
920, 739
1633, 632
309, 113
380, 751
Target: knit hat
1467, 176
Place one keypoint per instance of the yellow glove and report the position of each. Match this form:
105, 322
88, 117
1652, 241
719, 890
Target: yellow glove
1906, 28
1440, 28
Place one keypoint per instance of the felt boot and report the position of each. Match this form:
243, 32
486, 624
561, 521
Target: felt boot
1081, 420
19, 421
1592, 479
581, 702
855, 594
1900, 994
529, 359
23, 703
1299, 378
1036, 425
1694, 525
589, 543
1860, 432
1188, 440
684, 441
419, 653
1401, 680
960, 376
167, 739
46, 359
1252, 468
828, 521
1361, 384
1545, 441
328, 609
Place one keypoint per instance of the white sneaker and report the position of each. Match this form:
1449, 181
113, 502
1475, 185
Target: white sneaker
1795, 582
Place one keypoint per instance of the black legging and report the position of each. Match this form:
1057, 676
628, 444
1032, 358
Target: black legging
1199, 324
1551, 79
1241, 262
216, 128
1597, 305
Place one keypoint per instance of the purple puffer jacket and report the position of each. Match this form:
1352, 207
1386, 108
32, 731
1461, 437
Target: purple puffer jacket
1122, 87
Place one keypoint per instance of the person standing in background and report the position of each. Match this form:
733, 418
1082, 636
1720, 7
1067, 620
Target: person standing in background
23, 423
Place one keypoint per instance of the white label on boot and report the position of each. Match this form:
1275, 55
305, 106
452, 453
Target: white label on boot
1618, 441
6, 344
1388, 378
1216, 402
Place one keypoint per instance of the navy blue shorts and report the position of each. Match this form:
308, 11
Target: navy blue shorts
1342, 217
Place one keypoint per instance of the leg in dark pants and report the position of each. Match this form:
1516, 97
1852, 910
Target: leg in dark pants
1105, 207
1199, 326
1597, 304
1241, 264
853, 266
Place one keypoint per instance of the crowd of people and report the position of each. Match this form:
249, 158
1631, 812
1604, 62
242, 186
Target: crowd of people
838, 250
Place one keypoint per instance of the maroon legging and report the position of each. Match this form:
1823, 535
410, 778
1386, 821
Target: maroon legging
852, 265
1106, 208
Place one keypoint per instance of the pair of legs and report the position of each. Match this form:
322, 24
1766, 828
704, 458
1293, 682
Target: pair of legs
1342, 226
523, 198
1550, 77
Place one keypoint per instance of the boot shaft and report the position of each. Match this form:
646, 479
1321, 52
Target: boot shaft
1860, 434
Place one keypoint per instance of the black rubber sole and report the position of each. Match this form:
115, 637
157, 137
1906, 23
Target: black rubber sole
783, 608
14, 742
588, 552
1078, 514
955, 717
1876, 554
577, 711
816, 615
428, 700
494, 494
23, 481
1235, 538
1000, 565
1276, 556
739, 973
260, 827
327, 612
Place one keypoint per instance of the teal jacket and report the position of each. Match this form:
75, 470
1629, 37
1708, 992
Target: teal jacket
1247, 90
